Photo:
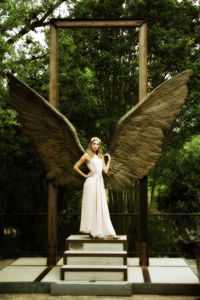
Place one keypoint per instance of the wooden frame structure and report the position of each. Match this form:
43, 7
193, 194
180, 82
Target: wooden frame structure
55, 24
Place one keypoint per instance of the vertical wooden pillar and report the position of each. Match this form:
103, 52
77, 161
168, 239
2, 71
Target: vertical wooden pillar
52, 190
143, 223
53, 66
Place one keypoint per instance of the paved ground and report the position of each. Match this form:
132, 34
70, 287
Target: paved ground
161, 270
134, 297
5, 263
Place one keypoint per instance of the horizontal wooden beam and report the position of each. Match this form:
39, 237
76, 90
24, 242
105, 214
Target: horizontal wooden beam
63, 23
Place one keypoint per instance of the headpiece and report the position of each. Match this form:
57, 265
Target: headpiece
95, 139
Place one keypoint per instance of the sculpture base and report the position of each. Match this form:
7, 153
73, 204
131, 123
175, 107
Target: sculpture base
87, 259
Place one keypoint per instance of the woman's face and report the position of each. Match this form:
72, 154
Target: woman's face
95, 146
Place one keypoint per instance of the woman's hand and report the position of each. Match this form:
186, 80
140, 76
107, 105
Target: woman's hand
106, 163
108, 157
90, 174
84, 158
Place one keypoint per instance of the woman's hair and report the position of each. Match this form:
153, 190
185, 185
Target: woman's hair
99, 151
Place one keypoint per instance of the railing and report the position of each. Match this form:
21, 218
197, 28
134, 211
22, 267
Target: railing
23, 234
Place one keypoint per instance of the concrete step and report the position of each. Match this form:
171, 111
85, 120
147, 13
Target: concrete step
85, 243
93, 273
113, 288
80, 257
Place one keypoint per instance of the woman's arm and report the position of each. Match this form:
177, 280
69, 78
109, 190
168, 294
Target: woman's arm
83, 159
107, 166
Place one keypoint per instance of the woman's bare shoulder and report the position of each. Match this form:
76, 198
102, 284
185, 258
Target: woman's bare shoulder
85, 157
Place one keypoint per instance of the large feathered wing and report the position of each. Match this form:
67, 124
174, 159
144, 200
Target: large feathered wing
52, 135
139, 134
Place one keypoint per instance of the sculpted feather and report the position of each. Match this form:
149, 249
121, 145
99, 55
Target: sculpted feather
53, 136
136, 145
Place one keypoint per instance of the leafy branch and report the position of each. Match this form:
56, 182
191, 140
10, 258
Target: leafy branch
31, 25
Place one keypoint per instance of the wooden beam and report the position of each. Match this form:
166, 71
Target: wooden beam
142, 61
62, 23
53, 66
52, 190
143, 195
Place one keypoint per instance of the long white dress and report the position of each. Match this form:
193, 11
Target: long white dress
95, 218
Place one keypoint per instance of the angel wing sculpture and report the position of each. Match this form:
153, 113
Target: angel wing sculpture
137, 141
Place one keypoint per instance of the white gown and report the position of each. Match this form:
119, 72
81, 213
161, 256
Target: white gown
95, 218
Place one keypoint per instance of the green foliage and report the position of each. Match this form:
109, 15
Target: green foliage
98, 83
178, 188
23, 184
190, 237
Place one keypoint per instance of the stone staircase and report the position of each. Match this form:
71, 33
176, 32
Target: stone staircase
87, 259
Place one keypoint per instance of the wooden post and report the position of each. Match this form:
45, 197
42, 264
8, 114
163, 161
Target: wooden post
52, 190
53, 66
143, 182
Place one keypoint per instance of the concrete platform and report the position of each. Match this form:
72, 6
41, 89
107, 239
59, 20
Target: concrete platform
175, 276
102, 263
94, 257
20, 273
93, 273
96, 288
22, 269
85, 243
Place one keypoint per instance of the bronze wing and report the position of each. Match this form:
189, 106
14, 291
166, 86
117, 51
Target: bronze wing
136, 145
52, 135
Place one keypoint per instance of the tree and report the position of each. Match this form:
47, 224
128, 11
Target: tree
98, 77
178, 188
23, 183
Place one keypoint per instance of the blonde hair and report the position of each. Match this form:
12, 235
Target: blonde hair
99, 151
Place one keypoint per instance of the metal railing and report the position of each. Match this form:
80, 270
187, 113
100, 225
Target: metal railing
23, 234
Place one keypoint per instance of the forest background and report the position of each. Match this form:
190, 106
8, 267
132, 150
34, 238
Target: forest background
98, 83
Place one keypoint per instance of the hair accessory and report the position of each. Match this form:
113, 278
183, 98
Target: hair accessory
95, 139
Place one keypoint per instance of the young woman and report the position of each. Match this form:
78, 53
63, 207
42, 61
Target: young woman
95, 218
